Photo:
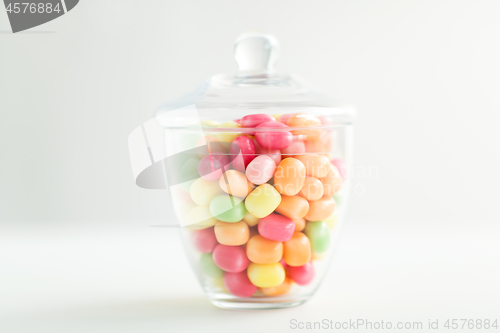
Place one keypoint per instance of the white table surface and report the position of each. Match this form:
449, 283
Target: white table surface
116, 278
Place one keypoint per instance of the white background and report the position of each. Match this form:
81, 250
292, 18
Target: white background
421, 239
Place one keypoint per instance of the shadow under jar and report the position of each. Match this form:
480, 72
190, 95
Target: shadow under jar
259, 180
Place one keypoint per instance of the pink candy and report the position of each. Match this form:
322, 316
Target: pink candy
284, 117
253, 120
275, 154
302, 275
260, 170
276, 227
340, 164
239, 284
325, 120
231, 259
295, 148
205, 240
242, 151
211, 167
273, 139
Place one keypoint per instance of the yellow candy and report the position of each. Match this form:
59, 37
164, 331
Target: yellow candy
209, 123
319, 256
262, 201
331, 221
227, 136
182, 210
266, 275
200, 218
250, 219
218, 284
202, 191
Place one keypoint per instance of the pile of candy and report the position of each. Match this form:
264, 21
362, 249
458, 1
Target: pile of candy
264, 210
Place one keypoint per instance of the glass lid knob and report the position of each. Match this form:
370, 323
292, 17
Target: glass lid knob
256, 52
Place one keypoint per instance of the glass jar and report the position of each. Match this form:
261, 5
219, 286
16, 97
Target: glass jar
257, 167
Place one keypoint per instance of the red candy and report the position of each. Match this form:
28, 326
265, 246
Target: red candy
211, 167
239, 284
231, 259
273, 139
205, 240
302, 275
242, 152
276, 227
252, 120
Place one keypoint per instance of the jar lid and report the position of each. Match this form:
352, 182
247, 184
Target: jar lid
256, 88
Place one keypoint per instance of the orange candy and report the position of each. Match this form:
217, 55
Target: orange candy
332, 182
297, 250
304, 120
321, 209
235, 183
264, 251
316, 165
281, 289
253, 231
314, 146
300, 224
209, 144
293, 207
322, 144
232, 234
312, 189
290, 176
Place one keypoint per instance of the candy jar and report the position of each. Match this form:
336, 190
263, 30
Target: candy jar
257, 164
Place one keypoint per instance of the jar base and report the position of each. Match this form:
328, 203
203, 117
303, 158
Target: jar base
255, 305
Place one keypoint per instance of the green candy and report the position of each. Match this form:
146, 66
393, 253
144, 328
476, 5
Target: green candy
319, 236
338, 199
208, 266
227, 208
